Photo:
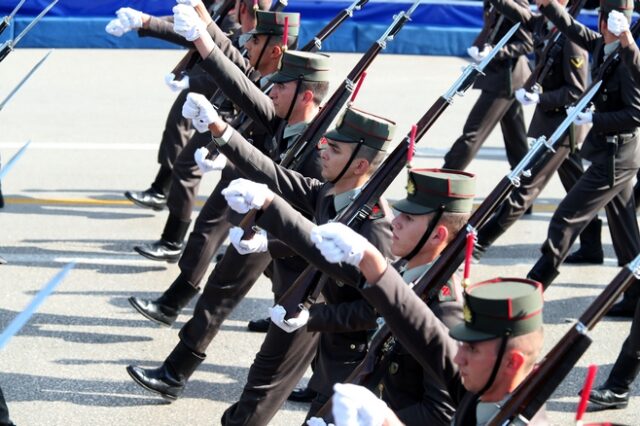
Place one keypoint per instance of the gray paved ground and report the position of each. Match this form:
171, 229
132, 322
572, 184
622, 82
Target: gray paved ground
95, 118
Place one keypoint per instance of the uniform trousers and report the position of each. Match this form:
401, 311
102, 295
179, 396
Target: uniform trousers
488, 110
627, 366
581, 205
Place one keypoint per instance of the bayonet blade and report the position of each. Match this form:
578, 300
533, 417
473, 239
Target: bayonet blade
16, 9
34, 22
571, 115
26, 77
482, 65
12, 161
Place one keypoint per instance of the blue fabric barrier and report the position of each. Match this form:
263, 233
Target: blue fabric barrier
436, 28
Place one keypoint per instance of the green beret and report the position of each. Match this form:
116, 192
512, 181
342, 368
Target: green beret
304, 65
623, 6
428, 189
272, 23
357, 126
500, 307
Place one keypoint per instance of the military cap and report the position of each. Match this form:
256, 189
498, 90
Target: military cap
306, 66
357, 126
500, 307
429, 189
622, 6
272, 23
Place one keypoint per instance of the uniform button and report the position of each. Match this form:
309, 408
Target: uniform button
380, 387
340, 284
352, 346
604, 97
393, 368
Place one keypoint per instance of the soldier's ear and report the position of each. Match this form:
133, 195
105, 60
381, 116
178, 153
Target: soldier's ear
307, 96
442, 233
515, 360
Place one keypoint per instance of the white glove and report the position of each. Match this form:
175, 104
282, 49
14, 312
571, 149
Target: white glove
192, 3
354, 405
115, 28
584, 117
339, 243
207, 165
243, 195
198, 108
318, 421
478, 55
617, 23
176, 85
527, 98
187, 23
290, 325
130, 19
257, 244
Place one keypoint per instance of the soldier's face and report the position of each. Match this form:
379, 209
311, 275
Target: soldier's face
335, 156
407, 231
282, 95
476, 361
254, 47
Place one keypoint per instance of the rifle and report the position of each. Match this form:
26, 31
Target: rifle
8, 45
305, 290
549, 54
490, 28
538, 386
7, 19
429, 283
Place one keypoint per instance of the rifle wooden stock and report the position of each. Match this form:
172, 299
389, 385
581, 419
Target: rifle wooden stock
538, 386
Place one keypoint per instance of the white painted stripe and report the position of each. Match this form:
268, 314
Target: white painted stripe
117, 259
81, 146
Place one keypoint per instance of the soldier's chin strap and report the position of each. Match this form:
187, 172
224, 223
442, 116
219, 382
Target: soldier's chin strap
496, 366
264, 49
295, 98
425, 237
346, 166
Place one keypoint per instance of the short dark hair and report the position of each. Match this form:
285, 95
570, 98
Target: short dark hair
292, 42
372, 155
318, 88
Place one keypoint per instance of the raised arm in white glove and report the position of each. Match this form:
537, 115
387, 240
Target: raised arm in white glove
339, 243
527, 98
354, 405
290, 325
617, 23
257, 244
198, 108
478, 55
176, 85
207, 165
243, 195
130, 19
115, 28
187, 23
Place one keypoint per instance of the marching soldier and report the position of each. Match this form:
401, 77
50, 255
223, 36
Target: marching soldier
614, 393
563, 84
436, 208
611, 146
480, 361
228, 284
506, 73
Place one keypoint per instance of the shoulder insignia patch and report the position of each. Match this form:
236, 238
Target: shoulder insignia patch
577, 62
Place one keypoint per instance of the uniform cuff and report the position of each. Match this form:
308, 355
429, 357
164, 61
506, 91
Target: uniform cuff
225, 137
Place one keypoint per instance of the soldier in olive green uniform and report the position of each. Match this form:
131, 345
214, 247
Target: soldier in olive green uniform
352, 152
419, 237
503, 75
500, 338
228, 284
613, 148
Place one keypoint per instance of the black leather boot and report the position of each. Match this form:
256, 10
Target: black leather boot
627, 306
171, 377
169, 247
165, 309
302, 395
487, 235
1, 197
544, 272
590, 250
148, 199
260, 325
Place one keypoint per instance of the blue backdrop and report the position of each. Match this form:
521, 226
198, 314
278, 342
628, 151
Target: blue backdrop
437, 27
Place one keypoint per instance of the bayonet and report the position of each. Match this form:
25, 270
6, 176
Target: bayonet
26, 77
13, 160
9, 45
7, 19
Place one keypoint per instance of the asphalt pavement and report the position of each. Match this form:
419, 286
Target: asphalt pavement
95, 118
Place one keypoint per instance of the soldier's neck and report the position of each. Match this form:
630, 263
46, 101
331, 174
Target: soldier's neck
348, 183
422, 258
302, 115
